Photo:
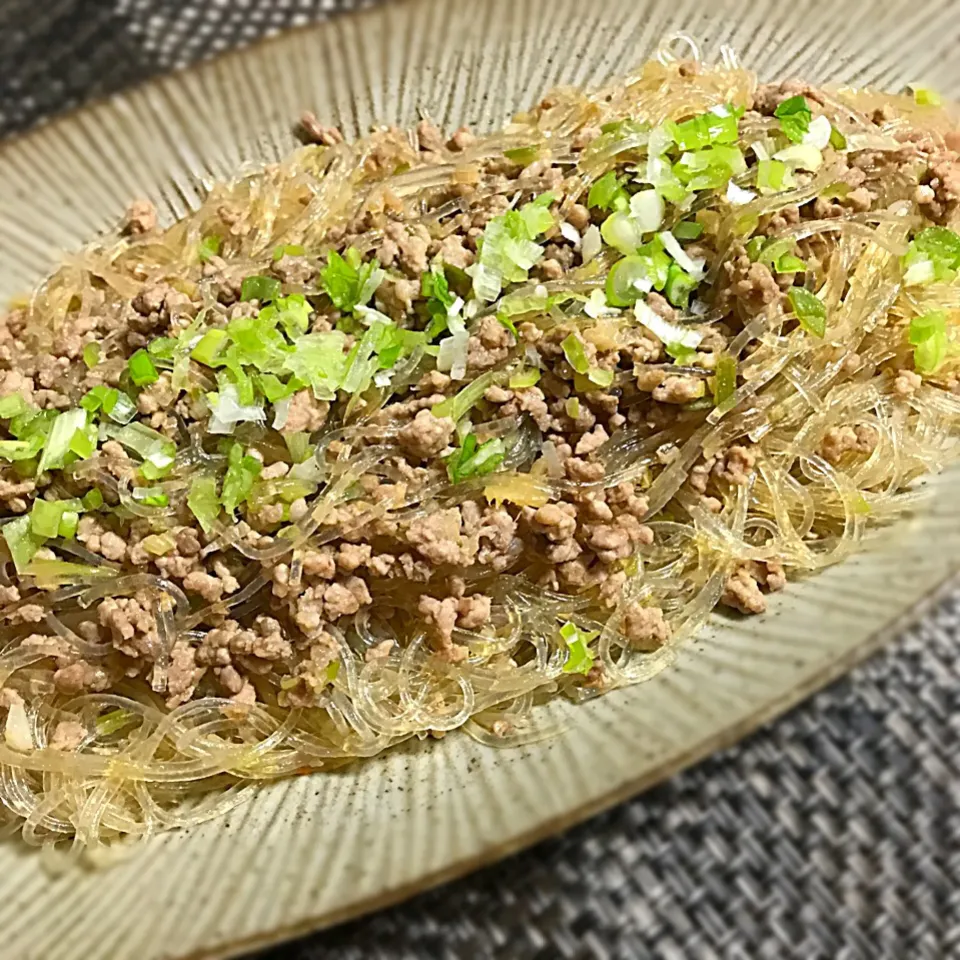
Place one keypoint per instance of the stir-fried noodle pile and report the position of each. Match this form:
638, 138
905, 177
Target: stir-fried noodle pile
406, 435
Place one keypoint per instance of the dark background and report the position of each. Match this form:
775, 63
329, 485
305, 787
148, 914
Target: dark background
832, 835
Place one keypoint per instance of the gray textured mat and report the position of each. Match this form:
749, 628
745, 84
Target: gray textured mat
832, 835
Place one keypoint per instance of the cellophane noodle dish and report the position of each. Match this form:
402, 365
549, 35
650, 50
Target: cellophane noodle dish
411, 434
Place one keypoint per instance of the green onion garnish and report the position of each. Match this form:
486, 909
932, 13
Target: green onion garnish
91, 355
287, 250
809, 310
576, 356
242, 473
926, 97
57, 446
21, 542
928, 335
209, 247
142, 370
528, 377
794, 115
687, 230
725, 379
209, 347
203, 502
471, 460
12, 406
607, 193
602, 378
772, 176
579, 658
260, 288
679, 286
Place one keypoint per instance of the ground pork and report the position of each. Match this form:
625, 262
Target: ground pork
426, 435
838, 441
489, 346
742, 587
645, 627
305, 413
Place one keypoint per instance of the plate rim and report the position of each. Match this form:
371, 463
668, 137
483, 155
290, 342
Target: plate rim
719, 739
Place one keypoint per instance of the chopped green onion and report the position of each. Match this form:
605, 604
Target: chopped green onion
12, 406
926, 97
837, 140
928, 335
45, 517
600, 377
242, 472
163, 348
471, 460
91, 355
100, 398
705, 129
679, 286
683, 355
209, 247
151, 496
260, 288
350, 282
509, 248
773, 250
628, 279
579, 658
688, 230
575, 353
69, 522
158, 544
113, 721
123, 409
755, 247
143, 440
84, 442
933, 254
17, 450
528, 377
142, 370
605, 192
809, 310
57, 446
622, 233
291, 312
789, 263
800, 156
523, 156
209, 346
794, 115
21, 542
434, 286
571, 407
725, 379
92, 499
298, 445
772, 176
461, 403
287, 250
318, 360
203, 502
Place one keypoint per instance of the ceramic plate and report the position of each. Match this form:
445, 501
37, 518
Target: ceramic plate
313, 850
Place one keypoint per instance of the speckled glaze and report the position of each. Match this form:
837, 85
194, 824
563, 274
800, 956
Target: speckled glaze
313, 850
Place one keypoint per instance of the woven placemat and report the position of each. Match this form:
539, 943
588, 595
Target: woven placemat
834, 834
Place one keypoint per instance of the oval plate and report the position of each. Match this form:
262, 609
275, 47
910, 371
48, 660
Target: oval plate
314, 850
